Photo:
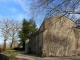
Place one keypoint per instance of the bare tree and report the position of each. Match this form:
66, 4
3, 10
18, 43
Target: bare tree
9, 30
5, 28
53, 7
15, 27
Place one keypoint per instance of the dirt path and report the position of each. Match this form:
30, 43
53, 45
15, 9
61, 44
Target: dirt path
46, 58
22, 56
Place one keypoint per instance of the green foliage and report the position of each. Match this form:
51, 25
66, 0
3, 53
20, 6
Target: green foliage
11, 53
32, 25
28, 27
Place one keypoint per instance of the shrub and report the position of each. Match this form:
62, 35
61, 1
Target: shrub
11, 53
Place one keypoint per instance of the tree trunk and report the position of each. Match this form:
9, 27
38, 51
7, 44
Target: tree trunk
4, 47
23, 45
11, 46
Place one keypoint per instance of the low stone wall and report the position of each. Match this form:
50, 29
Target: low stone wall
3, 57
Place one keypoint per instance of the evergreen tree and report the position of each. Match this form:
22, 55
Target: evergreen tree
28, 27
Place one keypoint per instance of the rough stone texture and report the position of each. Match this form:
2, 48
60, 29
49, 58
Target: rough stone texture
57, 36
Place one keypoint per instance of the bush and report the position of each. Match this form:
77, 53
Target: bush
11, 53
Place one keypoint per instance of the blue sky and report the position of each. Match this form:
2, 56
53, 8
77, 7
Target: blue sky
14, 9
17, 10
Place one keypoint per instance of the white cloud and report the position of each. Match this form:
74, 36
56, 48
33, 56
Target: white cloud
25, 4
1, 17
13, 10
6, 1
20, 17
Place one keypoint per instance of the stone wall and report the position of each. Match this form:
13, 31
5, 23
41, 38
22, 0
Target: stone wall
56, 37
3, 57
59, 37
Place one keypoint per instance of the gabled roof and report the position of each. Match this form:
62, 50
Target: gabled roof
54, 18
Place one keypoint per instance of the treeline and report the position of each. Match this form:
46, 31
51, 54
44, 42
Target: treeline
15, 31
